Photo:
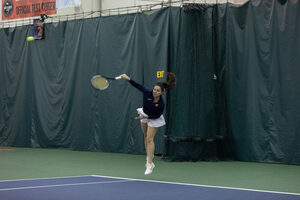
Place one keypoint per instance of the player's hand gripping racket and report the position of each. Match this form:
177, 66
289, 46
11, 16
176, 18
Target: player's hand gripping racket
102, 82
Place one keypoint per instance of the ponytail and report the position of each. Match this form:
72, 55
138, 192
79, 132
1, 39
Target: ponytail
171, 81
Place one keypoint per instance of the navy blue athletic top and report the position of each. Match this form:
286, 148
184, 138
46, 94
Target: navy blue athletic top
153, 110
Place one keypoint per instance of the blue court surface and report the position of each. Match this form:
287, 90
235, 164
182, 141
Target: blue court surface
110, 188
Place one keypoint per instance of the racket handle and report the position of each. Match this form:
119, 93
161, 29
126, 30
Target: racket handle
118, 77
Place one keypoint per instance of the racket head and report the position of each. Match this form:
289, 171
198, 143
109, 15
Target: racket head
99, 82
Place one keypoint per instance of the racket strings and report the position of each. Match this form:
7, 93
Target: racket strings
100, 83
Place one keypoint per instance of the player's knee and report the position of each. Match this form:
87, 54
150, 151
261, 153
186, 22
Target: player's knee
149, 140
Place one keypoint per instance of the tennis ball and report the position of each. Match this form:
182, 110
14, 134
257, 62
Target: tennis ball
30, 38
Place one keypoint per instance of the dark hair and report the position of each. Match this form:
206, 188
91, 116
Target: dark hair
171, 82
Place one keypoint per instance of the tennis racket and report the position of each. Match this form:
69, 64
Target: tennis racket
102, 82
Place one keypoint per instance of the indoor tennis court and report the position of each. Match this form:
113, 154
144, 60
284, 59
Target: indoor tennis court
94, 93
96, 187
63, 174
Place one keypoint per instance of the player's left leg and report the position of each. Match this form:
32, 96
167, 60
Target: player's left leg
151, 131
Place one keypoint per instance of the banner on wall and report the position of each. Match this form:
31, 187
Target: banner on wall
67, 3
14, 9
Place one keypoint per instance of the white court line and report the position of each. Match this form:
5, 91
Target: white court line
33, 179
62, 185
208, 186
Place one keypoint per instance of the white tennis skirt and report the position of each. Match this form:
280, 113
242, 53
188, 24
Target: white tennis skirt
152, 122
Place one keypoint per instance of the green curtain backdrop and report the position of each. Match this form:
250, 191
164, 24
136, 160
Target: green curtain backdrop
263, 61
249, 109
46, 96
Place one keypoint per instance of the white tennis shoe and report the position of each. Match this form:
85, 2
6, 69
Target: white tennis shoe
149, 168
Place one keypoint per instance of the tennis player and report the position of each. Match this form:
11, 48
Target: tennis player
150, 114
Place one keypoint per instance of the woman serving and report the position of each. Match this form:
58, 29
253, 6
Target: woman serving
150, 114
